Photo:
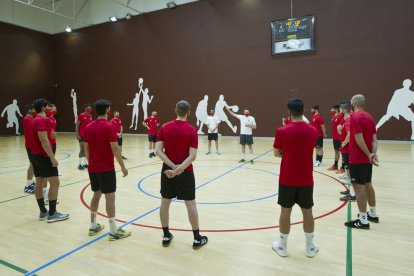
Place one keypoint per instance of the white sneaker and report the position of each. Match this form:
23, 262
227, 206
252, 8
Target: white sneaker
311, 251
343, 176
317, 164
280, 250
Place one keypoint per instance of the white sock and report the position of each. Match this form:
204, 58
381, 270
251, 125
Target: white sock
283, 240
309, 239
80, 161
363, 217
29, 182
251, 156
351, 191
112, 225
45, 193
93, 220
244, 156
373, 211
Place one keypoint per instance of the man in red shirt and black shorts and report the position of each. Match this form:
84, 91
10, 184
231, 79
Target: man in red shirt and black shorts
319, 124
44, 163
117, 122
151, 123
101, 145
177, 148
336, 138
83, 120
27, 130
295, 143
362, 155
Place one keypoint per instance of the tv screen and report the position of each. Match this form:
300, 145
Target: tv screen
293, 35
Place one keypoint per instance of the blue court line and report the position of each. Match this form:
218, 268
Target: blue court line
132, 221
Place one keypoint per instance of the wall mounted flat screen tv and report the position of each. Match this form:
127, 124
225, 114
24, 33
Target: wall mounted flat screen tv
293, 35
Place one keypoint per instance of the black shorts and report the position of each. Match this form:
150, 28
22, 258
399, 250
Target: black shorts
213, 136
119, 141
42, 166
103, 181
319, 142
246, 139
182, 186
337, 144
152, 138
54, 148
301, 195
360, 173
345, 160
80, 139
29, 155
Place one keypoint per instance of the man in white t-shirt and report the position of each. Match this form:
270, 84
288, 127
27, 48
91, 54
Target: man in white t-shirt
212, 125
247, 124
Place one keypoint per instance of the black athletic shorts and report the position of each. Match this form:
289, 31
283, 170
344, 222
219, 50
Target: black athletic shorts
213, 136
103, 181
360, 173
319, 142
301, 195
54, 148
337, 144
29, 155
246, 139
345, 160
119, 141
152, 138
181, 186
80, 139
42, 166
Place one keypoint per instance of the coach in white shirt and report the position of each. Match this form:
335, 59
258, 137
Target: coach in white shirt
247, 124
212, 125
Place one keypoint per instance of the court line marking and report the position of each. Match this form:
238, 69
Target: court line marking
14, 267
131, 221
349, 244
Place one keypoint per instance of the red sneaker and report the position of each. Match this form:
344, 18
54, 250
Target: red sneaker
333, 168
340, 171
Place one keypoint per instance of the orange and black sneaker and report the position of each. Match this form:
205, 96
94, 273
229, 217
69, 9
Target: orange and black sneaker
333, 168
340, 171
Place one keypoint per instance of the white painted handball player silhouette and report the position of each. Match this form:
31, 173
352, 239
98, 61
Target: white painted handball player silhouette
219, 112
146, 100
135, 105
399, 105
11, 111
201, 114
74, 103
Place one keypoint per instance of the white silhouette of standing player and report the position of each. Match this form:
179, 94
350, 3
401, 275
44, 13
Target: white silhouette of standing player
201, 114
146, 100
219, 112
135, 104
11, 110
400, 106
75, 106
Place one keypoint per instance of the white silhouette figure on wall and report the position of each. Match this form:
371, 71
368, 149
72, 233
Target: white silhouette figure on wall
201, 114
219, 112
135, 110
11, 111
145, 101
399, 105
74, 103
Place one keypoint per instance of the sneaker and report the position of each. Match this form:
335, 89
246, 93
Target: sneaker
124, 158
317, 164
280, 250
252, 161
357, 224
311, 251
80, 167
96, 230
120, 234
333, 168
372, 219
43, 216
207, 153
85, 166
347, 197
46, 201
218, 153
242, 160
197, 244
343, 176
57, 217
154, 155
167, 240
340, 171
344, 192
150, 155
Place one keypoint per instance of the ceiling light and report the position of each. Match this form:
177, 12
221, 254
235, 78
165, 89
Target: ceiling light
113, 18
68, 29
171, 5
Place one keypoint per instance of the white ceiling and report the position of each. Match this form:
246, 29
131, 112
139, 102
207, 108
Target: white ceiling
53, 16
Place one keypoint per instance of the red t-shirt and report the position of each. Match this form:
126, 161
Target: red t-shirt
178, 136
52, 126
336, 120
84, 120
117, 124
287, 120
39, 124
361, 122
317, 121
27, 129
152, 124
98, 135
346, 125
297, 141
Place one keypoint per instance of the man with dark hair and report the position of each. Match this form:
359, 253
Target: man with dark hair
101, 145
151, 123
294, 143
44, 163
177, 147
362, 155
117, 122
336, 138
83, 120
30, 113
319, 124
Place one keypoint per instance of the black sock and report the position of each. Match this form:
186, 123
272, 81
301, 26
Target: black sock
166, 232
196, 234
343, 166
336, 163
319, 158
52, 207
41, 203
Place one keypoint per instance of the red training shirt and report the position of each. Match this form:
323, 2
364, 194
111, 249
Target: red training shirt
178, 136
361, 122
27, 129
84, 120
297, 141
117, 122
346, 125
52, 126
317, 121
39, 124
152, 124
98, 135
336, 120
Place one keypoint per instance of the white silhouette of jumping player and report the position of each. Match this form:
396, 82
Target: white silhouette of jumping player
11, 111
219, 112
75, 105
146, 100
201, 114
399, 105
